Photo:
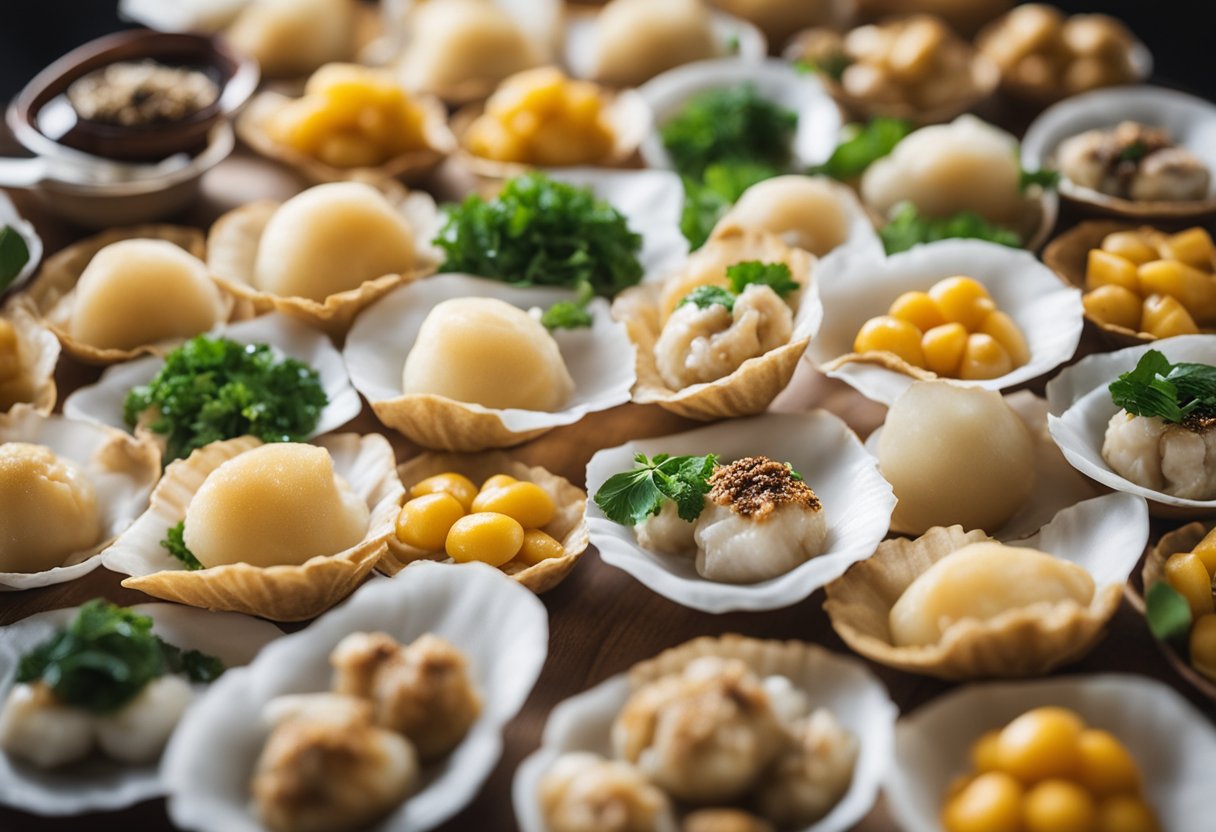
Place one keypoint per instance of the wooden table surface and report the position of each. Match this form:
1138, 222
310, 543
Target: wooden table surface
601, 619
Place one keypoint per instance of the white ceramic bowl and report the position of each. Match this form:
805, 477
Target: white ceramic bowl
1173, 742
499, 625
856, 285
99, 784
856, 499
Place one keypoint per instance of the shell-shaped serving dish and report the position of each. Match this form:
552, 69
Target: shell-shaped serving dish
38, 352
819, 119
9, 216
51, 294
599, 360
753, 385
103, 400
858, 285
1080, 408
410, 167
232, 251
499, 625
1104, 535
1170, 739
568, 527
121, 469
280, 593
857, 503
1190, 121
735, 38
98, 784
841, 684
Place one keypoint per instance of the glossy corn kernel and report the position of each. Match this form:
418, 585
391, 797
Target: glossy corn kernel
943, 347
10, 352
918, 309
1186, 573
984, 358
1059, 806
1001, 327
1105, 269
1203, 645
963, 300
1126, 813
484, 536
458, 485
991, 802
1206, 551
1164, 317
539, 546
888, 334
1193, 247
1106, 766
526, 502
984, 753
1194, 289
1130, 245
424, 521
1114, 306
1041, 744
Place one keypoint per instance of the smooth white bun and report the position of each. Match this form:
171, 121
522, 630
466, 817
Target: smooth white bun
280, 503
137, 292
332, 238
457, 41
636, 40
294, 37
486, 351
804, 211
48, 508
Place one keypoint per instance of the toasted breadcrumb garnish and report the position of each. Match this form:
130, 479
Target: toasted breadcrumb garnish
756, 486
1200, 422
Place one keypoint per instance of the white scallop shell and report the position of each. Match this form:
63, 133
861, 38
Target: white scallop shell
100, 784
856, 499
9, 216
841, 684
102, 401
858, 285
499, 625
1171, 740
1080, 409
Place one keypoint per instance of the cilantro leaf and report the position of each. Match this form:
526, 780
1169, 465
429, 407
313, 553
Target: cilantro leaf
175, 544
14, 254
704, 297
1155, 387
1167, 612
570, 314
907, 228
729, 124
707, 200
1045, 179
630, 497
774, 275
541, 232
861, 146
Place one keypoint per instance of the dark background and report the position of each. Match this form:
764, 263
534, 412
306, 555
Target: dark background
35, 32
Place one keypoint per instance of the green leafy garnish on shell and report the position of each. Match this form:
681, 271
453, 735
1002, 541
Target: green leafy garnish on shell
862, 145
570, 314
14, 255
706, 200
704, 297
1167, 612
907, 228
776, 276
1174, 392
730, 124
630, 497
175, 544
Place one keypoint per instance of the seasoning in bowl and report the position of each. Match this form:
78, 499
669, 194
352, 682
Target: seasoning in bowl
142, 94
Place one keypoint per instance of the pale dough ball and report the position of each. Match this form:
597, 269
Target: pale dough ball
955, 454
48, 508
804, 211
137, 292
456, 41
294, 37
638, 39
332, 238
979, 582
276, 504
485, 351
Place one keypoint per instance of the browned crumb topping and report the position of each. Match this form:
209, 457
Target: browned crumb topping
756, 486
1200, 422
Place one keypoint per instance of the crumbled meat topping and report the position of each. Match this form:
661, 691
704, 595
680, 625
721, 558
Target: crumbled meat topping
756, 486
134, 94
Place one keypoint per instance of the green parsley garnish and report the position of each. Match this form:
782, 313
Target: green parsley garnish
708, 199
175, 544
1155, 387
1045, 179
1134, 152
14, 255
832, 65
731, 124
776, 276
541, 232
630, 497
105, 657
570, 314
213, 388
908, 228
862, 145
1167, 612
704, 297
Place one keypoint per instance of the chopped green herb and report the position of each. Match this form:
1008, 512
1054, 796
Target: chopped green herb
175, 544
540, 232
774, 275
1167, 612
1134, 152
907, 228
105, 657
14, 255
630, 497
732, 45
1045, 179
793, 473
570, 314
213, 388
707, 200
704, 297
731, 124
832, 65
862, 145
1155, 387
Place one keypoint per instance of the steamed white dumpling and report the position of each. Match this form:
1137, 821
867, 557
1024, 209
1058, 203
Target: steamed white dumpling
486, 351
332, 238
582, 792
804, 211
48, 508
966, 165
281, 503
138, 731
458, 41
636, 40
294, 37
138, 292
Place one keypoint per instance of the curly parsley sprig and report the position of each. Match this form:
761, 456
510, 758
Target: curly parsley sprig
739, 276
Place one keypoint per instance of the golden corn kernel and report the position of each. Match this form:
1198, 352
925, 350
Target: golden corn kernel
539, 546
1203, 645
1056, 805
1105, 269
887, 334
1106, 765
485, 536
1165, 317
984, 753
1041, 744
458, 485
526, 502
991, 802
1113, 305
1186, 573
984, 358
1205, 550
943, 347
918, 309
424, 522
1126, 813
964, 300
495, 482
1193, 247
1007, 333
1130, 245
1194, 289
